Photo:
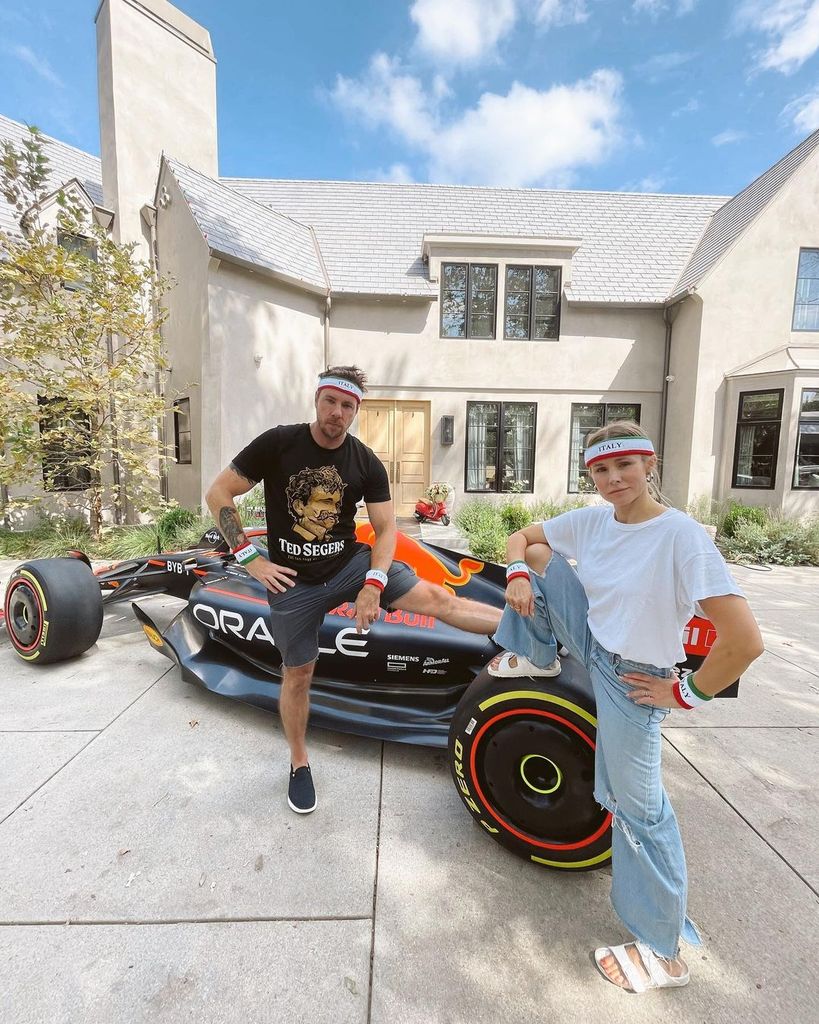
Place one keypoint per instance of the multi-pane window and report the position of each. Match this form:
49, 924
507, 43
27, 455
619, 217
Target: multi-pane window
585, 419
468, 300
532, 303
66, 449
84, 247
806, 465
500, 446
182, 430
757, 440
806, 303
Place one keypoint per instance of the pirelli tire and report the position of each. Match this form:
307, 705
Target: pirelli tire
53, 609
522, 757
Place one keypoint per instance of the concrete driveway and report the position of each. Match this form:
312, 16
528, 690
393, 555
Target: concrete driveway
150, 869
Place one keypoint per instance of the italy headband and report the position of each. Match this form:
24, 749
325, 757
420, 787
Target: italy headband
340, 384
615, 446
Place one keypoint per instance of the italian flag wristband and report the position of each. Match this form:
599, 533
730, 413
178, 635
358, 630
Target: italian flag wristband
376, 578
517, 570
687, 694
245, 553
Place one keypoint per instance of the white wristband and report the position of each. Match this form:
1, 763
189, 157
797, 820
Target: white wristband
515, 569
246, 553
377, 578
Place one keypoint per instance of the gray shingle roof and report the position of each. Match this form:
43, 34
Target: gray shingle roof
66, 163
733, 218
237, 226
633, 245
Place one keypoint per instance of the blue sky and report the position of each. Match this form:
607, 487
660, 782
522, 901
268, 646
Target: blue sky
692, 96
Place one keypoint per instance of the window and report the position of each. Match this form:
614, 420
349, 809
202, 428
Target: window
532, 303
757, 441
468, 300
806, 303
500, 446
806, 464
182, 431
65, 435
85, 247
585, 419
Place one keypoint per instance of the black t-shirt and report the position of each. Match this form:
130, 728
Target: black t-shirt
310, 496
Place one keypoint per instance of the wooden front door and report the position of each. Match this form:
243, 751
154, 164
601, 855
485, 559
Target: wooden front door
398, 433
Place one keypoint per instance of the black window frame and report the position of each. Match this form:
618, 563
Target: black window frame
605, 406
740, 423
802, 419
532, 312
468, 335
177, 433
58, 475
87, 247
794, 328
501, 410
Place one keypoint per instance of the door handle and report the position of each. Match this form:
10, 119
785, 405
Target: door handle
398, 471
389, 471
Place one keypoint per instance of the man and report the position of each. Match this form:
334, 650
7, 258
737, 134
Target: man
314, 476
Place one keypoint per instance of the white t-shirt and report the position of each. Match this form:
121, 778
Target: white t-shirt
643, 580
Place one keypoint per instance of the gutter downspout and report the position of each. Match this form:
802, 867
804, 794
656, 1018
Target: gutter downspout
148, 214
669, 316
328, 298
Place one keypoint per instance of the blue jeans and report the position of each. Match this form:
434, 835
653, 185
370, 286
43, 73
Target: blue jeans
649, 884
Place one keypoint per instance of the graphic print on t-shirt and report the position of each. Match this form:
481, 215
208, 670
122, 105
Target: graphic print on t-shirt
314, 501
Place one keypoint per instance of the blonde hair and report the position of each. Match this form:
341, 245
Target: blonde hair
628, 428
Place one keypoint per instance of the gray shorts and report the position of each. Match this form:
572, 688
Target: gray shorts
296, 615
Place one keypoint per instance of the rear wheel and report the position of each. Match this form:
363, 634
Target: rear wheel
53, 609
446, 520
522, 756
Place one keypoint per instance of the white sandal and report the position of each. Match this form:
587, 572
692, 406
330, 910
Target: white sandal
658, 976
523, 667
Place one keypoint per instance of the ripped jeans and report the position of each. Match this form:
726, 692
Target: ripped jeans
649, 884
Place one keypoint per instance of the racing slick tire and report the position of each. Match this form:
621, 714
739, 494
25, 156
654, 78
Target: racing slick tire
521, 754
53, 609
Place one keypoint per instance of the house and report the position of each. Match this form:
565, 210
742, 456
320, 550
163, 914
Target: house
497, 326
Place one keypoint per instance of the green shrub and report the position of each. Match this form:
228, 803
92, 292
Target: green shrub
514, 515
739, 514
56, 537
175, 519
489, 544
121, 542
476, 515
251, 508
709, 512
777, 541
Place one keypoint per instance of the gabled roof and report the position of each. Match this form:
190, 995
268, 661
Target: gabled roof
633, 245
729, 222
66, 163
240, 228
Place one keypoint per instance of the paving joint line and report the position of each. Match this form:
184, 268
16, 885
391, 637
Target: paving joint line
147, 921
85, 746
740, 815
375, 888
793, 664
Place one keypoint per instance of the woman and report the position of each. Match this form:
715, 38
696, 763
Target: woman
643, 570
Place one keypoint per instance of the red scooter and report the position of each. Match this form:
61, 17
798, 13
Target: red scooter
432, 507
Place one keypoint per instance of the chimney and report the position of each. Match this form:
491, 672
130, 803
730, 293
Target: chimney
157, 91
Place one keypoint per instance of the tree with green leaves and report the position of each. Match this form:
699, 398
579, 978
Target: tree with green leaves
81, 351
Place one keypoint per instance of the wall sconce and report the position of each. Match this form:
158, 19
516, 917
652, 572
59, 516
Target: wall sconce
257, 359
447, 430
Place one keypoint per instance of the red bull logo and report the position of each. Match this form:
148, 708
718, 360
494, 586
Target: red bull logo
425, 562
699, 636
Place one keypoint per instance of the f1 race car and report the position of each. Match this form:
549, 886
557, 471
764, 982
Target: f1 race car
521, 751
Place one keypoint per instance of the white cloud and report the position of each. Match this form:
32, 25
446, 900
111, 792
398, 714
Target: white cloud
554, 13
396, 173
691, 107
462, 31
657, 7
792, 28
37, 63
728, 137
803, 112
526, 137
663, 65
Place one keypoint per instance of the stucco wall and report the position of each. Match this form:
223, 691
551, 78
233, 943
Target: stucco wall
183, 256
254, 315
684, 368
747, 311
613, 355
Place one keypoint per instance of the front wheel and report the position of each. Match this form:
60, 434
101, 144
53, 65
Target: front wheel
522, 756
53, 609
446, 520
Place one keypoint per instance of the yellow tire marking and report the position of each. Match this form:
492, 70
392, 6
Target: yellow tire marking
37, 587
547, 698
35, 583
577, 864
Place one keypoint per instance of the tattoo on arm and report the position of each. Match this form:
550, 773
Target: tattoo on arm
231, 526
244, 476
